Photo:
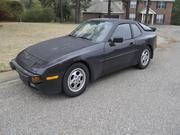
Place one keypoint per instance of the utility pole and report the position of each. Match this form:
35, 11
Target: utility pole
109, 8
147, 11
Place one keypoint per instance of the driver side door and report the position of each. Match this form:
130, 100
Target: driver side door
119, 55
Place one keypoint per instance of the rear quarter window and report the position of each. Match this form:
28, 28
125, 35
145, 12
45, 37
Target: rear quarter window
136, 31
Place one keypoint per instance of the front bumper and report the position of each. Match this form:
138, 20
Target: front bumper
48, 87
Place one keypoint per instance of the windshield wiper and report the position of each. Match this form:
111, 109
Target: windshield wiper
84, 38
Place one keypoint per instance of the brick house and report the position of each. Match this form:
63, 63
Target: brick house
160, 11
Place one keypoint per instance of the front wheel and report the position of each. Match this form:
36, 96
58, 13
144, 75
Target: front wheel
75, 80
145, 58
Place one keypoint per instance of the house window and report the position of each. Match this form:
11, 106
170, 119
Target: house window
132, 16
133, 4
160, 19
161, 4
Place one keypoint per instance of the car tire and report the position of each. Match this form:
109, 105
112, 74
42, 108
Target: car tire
144, 58
75, 80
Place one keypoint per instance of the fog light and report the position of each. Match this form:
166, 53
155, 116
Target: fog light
36, 79
52, 77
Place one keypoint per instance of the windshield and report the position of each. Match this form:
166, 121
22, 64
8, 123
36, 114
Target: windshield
93, 30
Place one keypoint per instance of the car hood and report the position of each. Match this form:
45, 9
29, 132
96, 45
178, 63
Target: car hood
55, 48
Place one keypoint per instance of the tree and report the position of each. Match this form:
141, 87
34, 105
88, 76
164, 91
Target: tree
48, 3
109, 8
147, 11
10, 10
176, 13
85, 4
28, 4
62, 8
137, 7
126, 4
59, 9
77, 11
80, 5
65, 8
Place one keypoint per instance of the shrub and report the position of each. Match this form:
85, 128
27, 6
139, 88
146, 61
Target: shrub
38, 15
176, 13
10, 10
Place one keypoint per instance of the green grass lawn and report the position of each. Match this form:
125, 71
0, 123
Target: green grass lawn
14, 37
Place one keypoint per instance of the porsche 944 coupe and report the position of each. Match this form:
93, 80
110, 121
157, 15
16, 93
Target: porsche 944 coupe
95, 48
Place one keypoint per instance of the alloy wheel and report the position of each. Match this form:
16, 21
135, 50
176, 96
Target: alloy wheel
76, 79
145, 57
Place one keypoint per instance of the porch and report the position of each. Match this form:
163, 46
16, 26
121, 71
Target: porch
151, 16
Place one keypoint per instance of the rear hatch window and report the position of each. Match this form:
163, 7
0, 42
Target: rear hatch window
147, 28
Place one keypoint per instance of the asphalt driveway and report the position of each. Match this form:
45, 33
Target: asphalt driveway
129, 102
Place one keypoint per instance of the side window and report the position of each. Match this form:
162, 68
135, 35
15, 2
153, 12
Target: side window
136, 30
123, 31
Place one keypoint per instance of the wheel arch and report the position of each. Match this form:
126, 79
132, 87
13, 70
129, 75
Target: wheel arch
91, 76
152, 51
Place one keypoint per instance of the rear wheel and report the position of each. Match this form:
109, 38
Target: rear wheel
75, 80
145, 58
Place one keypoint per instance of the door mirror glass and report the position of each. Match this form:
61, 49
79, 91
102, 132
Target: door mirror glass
117, 40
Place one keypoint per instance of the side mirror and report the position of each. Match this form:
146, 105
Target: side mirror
117, 40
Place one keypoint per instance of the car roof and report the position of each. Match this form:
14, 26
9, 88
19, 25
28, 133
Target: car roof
114, 20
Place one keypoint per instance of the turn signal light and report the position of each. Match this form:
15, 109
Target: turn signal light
52, 77
36, 79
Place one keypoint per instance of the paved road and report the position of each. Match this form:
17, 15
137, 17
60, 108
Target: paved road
129, 102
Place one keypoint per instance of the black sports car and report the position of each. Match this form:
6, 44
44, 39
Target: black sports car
95, 48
